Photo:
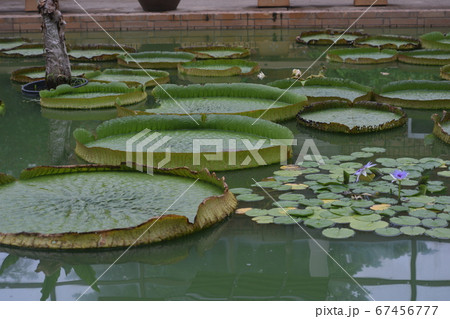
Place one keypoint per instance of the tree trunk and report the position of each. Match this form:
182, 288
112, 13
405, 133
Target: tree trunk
57, 64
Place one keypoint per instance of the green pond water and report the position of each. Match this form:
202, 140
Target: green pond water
236, 259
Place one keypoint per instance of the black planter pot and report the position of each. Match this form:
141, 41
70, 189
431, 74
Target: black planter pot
32, 89
159, 5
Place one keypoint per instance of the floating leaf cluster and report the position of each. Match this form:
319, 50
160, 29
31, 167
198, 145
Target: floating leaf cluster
333, 202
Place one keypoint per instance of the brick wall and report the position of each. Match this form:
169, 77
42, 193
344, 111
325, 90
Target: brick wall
400, 18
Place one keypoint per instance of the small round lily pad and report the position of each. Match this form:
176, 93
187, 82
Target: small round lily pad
422, 213
286, 220
433, 223
444, 173
368, 226
319, 223
439, 233
388, 232
405, 221
256, 212
249, 197
263, 219
374, 149
338, 233
412, 231
240, 190
300, 212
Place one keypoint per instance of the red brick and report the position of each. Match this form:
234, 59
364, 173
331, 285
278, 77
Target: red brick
331, 23
370, 22
438, 22
393, 13
230, 23
227, 16
403, 21
431, 14
194, 16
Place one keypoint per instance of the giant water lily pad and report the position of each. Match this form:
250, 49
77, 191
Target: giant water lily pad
97, 52
217, 52
35, 73
218, 67
254, 100
92, 96
320, 89
131, 77
436, 40
328, 37
419, 94
91, 206
155, 59
99, 114
361, 117
442, 126
394, 42
362, 55
425, 57
445, 72
28, 50
12, 43
173, 141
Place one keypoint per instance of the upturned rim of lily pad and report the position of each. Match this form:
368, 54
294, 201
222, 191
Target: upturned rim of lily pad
231, 159
20, 75
437, 128
341, 41
294, 102
5, 53
366, 91
431, 40
445, 72
416, 57
240, 52
335, 55
210, 211
342, 128
14, 39
137, 61
101, 57
154, 77
412, 44
408, 85
126, 95
196, 68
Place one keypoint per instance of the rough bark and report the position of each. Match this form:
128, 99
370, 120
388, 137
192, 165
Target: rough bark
57, 66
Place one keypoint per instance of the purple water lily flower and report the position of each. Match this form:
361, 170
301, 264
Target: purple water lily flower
399, 175
363, 170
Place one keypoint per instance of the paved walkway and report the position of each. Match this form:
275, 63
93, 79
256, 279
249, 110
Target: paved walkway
227, 14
